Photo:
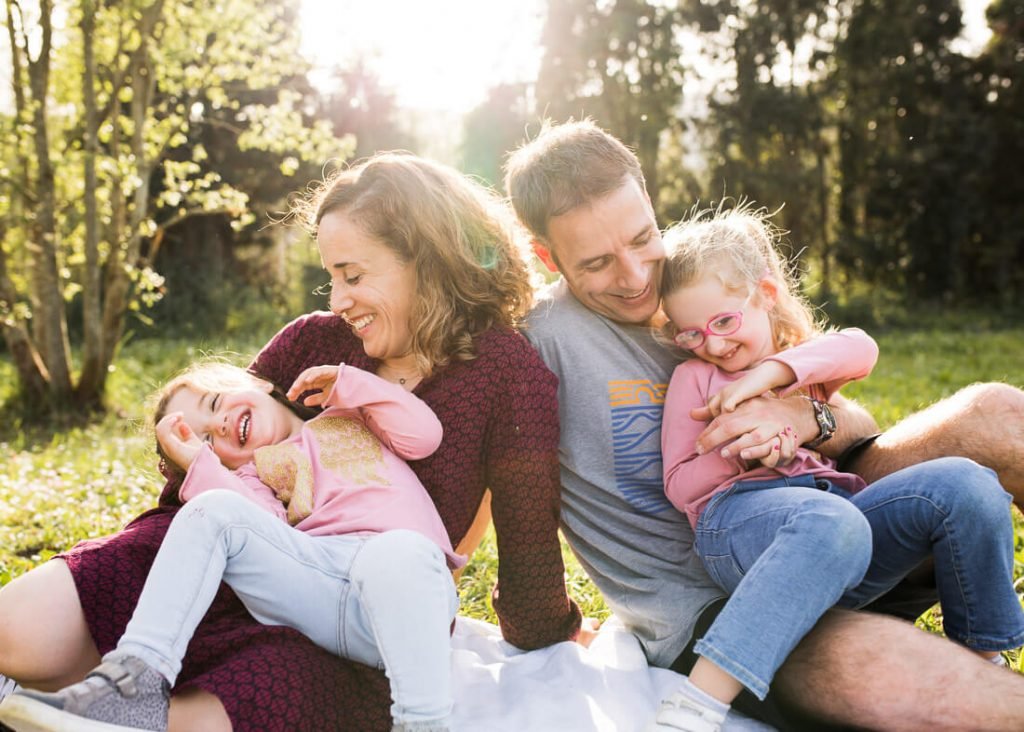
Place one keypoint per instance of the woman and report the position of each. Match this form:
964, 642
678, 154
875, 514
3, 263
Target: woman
426, 286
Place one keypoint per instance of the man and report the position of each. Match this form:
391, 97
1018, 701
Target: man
581, 194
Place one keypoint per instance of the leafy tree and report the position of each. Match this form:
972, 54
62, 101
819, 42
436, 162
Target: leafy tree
492, 129
243, 262
620, 62
997, 232
908, 142
771, 122
93, 176
360, 105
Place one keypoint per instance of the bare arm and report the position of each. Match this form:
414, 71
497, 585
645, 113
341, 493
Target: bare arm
756, 422
399, 419
830, 361
981, 422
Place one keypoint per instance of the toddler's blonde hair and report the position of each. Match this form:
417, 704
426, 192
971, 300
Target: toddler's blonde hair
740, 246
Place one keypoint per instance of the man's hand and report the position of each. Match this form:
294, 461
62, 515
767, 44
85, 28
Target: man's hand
756, 426
761, 380
316, 377
177, 440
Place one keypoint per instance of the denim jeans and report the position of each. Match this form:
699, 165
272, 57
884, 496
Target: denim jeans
385, 600
787, 549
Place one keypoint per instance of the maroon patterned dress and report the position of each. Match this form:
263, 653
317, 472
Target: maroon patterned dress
500, 418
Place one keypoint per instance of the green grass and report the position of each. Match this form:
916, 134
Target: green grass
61, 485
916, 368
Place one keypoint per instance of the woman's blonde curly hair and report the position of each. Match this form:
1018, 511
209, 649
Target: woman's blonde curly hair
458, 237
740, 246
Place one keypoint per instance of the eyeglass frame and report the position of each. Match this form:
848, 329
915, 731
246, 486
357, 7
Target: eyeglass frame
706, 330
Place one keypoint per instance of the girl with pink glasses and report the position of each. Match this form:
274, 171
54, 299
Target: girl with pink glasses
789, 536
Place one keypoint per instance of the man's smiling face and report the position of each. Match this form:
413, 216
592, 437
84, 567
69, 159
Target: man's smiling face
610, 253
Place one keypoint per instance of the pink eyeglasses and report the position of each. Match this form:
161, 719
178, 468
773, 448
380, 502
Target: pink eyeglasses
723, 324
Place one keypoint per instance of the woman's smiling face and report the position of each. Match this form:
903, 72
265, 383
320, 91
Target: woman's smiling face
371, 287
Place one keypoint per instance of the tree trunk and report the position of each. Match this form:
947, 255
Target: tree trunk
92, 378
31, 371
825, 293
117, 282
49, 319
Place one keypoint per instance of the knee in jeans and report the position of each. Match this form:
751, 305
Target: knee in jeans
217, 505
976, 493
394, 554
843, 536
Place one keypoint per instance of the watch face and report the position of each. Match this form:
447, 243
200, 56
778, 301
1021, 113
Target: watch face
826, 423
826, 417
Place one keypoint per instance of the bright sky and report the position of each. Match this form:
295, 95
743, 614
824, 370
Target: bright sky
976, 31
436, 54
443, 55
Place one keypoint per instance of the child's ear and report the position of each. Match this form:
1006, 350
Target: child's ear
544, 254
265, 386
768, 292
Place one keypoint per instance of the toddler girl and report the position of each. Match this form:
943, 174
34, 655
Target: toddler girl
789, 536
318, 525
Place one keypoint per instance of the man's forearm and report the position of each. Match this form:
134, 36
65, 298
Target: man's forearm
757, 421
853, 422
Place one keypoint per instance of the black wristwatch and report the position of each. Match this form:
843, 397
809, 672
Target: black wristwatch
826, 422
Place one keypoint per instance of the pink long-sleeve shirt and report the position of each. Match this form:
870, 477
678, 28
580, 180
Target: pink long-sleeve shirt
345, 471
821, 365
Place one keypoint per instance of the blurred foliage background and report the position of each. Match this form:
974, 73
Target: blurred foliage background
150, 146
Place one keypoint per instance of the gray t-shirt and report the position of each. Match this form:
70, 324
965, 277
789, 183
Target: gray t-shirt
636, 547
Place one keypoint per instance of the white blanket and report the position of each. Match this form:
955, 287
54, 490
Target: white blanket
565, 688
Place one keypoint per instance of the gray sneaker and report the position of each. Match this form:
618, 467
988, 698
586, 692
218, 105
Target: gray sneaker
120, 695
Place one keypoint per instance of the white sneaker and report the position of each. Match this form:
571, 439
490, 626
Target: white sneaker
680, 712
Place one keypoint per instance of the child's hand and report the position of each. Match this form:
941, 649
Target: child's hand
782, 450
762, 379
177, 440
317, 377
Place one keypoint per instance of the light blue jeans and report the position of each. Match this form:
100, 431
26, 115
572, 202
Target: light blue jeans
788, 549
385, 600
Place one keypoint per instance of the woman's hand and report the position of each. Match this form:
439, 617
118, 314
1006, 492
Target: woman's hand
316, 378
179, 443
589, 628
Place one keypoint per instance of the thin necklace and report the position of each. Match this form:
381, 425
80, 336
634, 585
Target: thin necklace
400, 380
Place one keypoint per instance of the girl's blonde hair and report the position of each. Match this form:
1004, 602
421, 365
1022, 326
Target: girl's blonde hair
459, 238
740, 246
207, 376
